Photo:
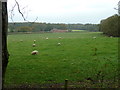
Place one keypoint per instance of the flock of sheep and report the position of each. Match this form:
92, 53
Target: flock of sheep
35, 52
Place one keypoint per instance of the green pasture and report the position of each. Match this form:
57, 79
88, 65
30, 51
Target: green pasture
83, 60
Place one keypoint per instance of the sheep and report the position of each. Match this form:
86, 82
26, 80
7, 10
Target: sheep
35, 52
21, 40
94, 37
59, 43
59, 37
111, 36
34, 45
47, 38
34, 41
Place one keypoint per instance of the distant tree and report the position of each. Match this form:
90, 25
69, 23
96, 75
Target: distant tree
24, 29
11, 27
88, 27
42, 26
48, 27
110, 26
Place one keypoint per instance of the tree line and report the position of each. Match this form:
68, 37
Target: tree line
110, 26
38, 27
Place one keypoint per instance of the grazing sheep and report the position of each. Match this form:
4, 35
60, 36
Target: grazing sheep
21, 40
111, 36
34, 41
34, 45
35, 52
59, 37
94, 37
59, 43
47, 38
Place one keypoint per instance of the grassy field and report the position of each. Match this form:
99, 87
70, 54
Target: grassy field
82, 59
78, 30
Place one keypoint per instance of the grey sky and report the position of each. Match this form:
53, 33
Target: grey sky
65, 11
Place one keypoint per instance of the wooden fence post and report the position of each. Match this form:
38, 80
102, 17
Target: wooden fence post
66, 84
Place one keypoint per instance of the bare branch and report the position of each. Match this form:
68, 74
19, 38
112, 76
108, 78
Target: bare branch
35, 20
20, 11
115, 8
11, 12
24, 7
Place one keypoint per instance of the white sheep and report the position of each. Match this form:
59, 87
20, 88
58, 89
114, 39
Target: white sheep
34, 41
21, 40
34, 45
59, 43
94, 37
47, 38
35, 52
59, 37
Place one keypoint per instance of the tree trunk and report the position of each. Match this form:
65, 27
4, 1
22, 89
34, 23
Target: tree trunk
0, 45
5, 54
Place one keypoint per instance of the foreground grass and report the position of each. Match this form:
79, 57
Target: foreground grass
84, 61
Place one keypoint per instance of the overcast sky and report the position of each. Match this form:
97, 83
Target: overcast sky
64, 11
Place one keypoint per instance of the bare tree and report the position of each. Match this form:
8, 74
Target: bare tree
20, 11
